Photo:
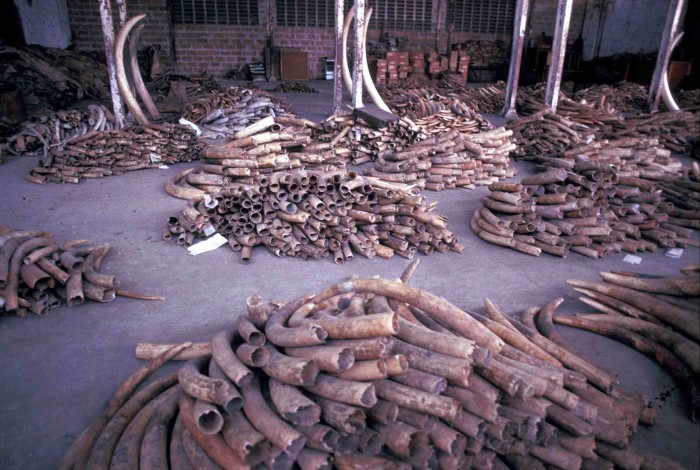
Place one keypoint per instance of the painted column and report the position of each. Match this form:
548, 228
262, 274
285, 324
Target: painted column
522, 8
561, 34
673, 19
121, 8
359, 56
338, 64
108, 36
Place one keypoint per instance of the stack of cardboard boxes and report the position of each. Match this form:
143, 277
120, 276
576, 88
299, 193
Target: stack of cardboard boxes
401, 65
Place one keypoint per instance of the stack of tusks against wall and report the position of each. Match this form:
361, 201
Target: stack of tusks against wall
41, 133
601, 198
109, 153
577, 123
371, 373
95, 150
38, 274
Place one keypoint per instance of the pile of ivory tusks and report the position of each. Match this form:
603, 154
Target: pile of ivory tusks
371, 373
654, 314
684, 191
268, 145
109, 153
546, 133
221, 114
44, 132
588, 201
449, 160
313, 214
624, 97
420, 99
296, 87
38, 274
349, 137
578, 122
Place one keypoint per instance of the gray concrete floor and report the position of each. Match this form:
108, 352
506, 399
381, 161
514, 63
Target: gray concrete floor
58, 371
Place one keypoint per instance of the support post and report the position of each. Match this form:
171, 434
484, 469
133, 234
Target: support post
121, 8
359, 56
561, 35
522, 9
108, 36
673, 19
338, 63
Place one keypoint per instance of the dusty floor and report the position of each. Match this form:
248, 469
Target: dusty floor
58, 371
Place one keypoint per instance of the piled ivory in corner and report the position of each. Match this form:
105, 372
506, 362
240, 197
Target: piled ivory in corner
97, 154
371, 373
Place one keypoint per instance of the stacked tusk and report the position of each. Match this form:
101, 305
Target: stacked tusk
37, 274
515, 409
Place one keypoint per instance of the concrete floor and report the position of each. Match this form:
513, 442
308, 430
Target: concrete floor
58, 371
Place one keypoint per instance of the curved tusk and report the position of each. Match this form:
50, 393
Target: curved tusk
369, 83
666, 95
136, 74
177, 187
122, 81
366, 77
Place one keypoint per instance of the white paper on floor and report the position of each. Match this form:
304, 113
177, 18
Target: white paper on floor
211, 243
674, 252
631, 259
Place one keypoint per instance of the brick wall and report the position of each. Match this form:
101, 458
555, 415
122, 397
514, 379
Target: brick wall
316, 42
218, 48
87, 30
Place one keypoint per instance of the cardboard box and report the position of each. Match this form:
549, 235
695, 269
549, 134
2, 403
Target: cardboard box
453, 60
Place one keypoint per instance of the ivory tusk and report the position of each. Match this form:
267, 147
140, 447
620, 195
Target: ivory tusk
136, 74
122, 81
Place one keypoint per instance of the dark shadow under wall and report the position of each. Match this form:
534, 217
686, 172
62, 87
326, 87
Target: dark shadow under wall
10, 25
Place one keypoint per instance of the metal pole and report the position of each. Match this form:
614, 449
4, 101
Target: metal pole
108, 35
673, 19
338, 63
522, 8
561, 34
358, 60
121, 7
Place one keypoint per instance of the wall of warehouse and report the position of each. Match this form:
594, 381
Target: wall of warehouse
218, 49
45, 22
624, 26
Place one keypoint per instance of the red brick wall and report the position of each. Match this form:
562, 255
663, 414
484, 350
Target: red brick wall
87, 30
217, 49
316, 42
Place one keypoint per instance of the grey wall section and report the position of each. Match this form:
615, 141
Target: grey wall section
45, 22
628, 26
